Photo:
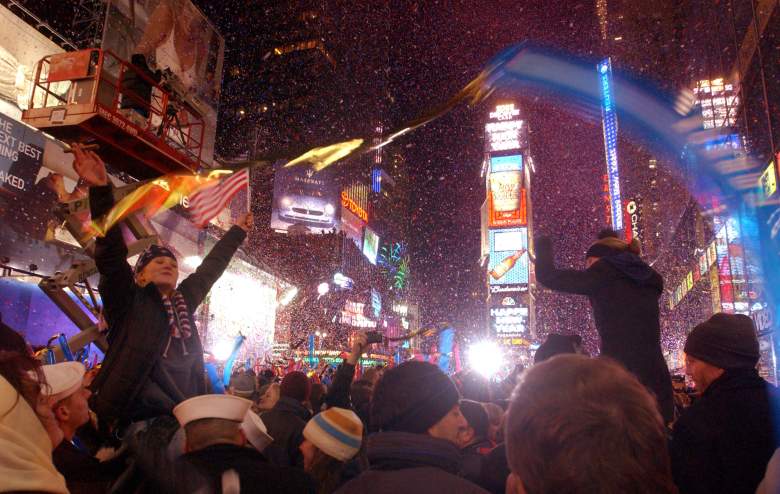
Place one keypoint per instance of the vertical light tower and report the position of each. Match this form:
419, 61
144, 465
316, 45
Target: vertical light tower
610, 127
506, 227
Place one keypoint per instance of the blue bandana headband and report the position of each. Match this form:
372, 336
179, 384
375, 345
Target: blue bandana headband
150, 253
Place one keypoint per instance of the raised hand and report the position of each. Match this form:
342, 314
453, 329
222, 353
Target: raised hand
246, 222
89, 166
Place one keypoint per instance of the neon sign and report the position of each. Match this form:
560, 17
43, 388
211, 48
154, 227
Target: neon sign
348, 203
610, 126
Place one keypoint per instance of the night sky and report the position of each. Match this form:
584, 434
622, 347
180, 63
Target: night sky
394, 60
397, 59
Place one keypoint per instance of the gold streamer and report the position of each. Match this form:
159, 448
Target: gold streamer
324, 156
167, 191
155, 196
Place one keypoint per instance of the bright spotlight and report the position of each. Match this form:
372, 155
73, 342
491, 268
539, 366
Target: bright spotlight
323, 288
289, 295
222, 350
486, 357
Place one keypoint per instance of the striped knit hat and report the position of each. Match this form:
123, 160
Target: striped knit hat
337, 432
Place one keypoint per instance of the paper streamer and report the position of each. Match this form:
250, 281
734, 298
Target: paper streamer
63, 342
216, 383
232, 359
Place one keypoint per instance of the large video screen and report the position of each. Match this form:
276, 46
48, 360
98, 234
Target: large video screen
305, 201
506, 198
175, 37
370, 245
508, 264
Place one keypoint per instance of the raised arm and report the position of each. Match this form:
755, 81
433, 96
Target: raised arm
197, 285
338, 394
116, 277
562, 280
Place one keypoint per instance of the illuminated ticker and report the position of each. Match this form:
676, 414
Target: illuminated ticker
609, 121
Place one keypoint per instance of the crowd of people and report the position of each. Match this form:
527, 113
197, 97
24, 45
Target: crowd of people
147, 420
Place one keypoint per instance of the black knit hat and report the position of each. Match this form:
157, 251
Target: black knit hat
476, 416
610, 243
727, 341
150, 253
295, 385
557, 344
412, 397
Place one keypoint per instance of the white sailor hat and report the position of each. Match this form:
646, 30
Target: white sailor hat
63, 379
226, 407
255, 431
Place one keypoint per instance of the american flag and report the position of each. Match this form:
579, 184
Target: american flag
207, 203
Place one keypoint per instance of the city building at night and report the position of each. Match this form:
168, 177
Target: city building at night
48, 279
507, 229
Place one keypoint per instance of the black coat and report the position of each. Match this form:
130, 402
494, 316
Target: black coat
406, 463
285, 423
256, 474
723, 442
136, 316
624, 293
84, 473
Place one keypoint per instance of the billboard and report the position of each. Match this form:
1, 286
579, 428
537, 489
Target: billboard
370, 245
610, 127
504, 130
22, 47
508, 263
509, 321
176, 38
26, 201
506, 195
767, 183
305, 201
352, 227
633, 217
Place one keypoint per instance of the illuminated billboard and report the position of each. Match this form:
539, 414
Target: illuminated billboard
504, 131
768, 181
176, 38
352, 227
508, 263
633, 218
719, 102
610, 127
370, 245
305, 201
506, 195
509, 321
353, 314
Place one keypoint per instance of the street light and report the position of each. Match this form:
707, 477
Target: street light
323, 288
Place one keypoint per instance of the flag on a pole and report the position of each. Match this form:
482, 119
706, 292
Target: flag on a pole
207, 203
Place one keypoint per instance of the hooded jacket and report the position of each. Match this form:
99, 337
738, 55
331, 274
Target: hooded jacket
138, 323
402, 462
624, 293
285, 423
724, 441
25, 447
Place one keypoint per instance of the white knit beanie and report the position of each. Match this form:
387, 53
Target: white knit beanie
337, 432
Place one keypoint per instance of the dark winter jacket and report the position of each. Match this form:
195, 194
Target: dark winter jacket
472, 461
84, 473
138, 324
338, 391
624, 292
723, 442
401, 462
256, 474
495, 470
285, 423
